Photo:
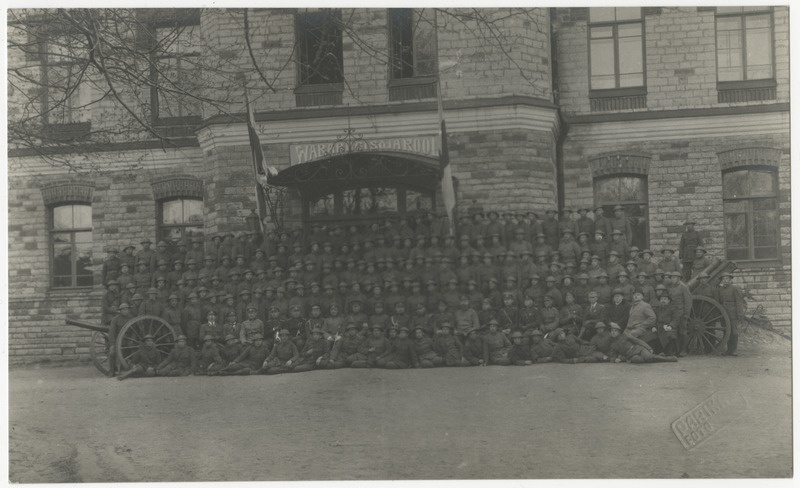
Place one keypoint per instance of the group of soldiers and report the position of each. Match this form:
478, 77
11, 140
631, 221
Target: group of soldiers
507, 289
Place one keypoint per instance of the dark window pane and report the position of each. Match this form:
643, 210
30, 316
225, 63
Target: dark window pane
765, 204
377, 200
736, 230
607, 190
762, 183
418, 202
321, 206
350, 202
736, 254
734, 184
633, 189
320, 47
193, 231
171, 234
765, 227
62, 260
766, 253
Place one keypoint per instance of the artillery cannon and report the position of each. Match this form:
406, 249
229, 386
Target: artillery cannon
128, 339
709, 326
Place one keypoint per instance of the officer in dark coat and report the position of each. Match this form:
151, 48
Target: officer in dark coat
690, 241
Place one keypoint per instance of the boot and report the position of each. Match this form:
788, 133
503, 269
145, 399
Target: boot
126, 374
681, 346
733, 343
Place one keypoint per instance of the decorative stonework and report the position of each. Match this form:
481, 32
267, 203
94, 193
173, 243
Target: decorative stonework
64, 191
749, 156
618, 163
177, 187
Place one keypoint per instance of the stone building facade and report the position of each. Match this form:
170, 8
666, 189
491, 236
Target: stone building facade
532, 123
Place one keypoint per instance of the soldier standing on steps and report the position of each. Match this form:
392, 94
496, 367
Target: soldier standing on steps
690, 241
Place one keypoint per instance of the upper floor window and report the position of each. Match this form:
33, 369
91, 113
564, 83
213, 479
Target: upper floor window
176, 72
71, 245
412, 41
752, 226
616, 48
319, 47
179, 220
744, 44
64, 84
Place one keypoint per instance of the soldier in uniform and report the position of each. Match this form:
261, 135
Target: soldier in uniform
690, 241
371, 349
631, 349
401, 353
472, 350
666, 327
115, 325
601, 340
283, 356
732, 300
111, 301
144, 361
344, 349
251, 327
313, 350
146, 255
542, 348
181, 360
620, 222
550, 228
701, 261
601, 222
111, 265
496, 346
520, 353
682, 301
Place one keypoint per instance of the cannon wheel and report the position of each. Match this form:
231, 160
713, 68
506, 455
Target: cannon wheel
708, 327
132, 335
98, 350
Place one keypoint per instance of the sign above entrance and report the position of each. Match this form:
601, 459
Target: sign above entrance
424, 145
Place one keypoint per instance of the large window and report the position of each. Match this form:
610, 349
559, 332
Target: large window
616, 52
319, 47
176, 73
413, 43
71, 245
744, 44
630, 191
752, 225
180, 219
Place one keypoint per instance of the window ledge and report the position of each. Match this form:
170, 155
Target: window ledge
318, 95
66, 132
618, 99
76, 292
416, 88
746, 91
753, 265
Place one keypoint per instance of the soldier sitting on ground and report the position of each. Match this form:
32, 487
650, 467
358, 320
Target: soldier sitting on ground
181, 360
633, 350
144, 361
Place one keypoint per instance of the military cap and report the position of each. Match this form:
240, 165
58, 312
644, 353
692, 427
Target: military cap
613, 253
115, 282
593, 294
294, 307
702, 275
658, 272
123, 305
257, 336
234, 272
569, 264
244, 291
550, 211
192, 295
666, 249
493, 321
647, 251
619, 207
516, 335
701, 249
300, 286
726, 273
616, 232
665, 295
631, 261
536, 332
550, 278
618, 291
227, 296
511, 278
251, 307
403, 329
603, 274
599, 325
148, 336
556, 332
614, 325
112, 249
137, 296
180, 337
595, 256
284, 332
208, 337
643, 273
376, 326
547, 297
173, 297
566, 276
351, 325
316, 330
446, 323
556, 263
131, 246
146, 240
583, 276
623, 273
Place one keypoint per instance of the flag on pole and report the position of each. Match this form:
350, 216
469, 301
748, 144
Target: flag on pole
448, 192
261, 176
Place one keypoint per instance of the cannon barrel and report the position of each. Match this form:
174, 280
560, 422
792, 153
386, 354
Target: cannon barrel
709, 270
86, 325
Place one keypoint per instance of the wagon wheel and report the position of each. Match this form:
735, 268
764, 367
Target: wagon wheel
132, 335
98, 350
708, 327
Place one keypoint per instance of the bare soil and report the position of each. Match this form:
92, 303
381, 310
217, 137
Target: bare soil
70, 424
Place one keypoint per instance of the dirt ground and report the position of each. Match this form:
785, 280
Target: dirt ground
69, 424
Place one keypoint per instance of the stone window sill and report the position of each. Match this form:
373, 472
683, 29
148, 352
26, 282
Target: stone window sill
746, 91
317, 95
618, 99
412, 88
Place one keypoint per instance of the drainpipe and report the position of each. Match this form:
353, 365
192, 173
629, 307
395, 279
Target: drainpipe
563, 128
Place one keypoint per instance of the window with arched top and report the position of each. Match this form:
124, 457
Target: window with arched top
179, 220
70, 226
752, 220
629, 191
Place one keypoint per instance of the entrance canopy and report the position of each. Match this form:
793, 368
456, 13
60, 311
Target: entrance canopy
361, 169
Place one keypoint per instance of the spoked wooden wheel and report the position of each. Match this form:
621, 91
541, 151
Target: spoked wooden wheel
708, 327
99, 349
131, 336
